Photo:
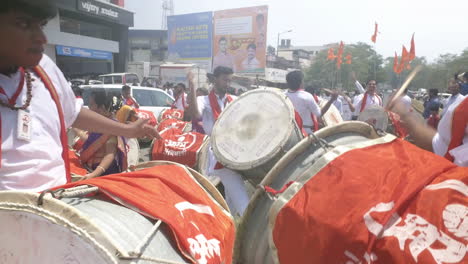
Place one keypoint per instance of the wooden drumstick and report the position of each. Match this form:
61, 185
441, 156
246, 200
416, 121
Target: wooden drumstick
400, 91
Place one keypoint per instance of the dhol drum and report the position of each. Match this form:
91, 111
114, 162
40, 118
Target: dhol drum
332, 116
133, 154
176, 146
253, 236
382, 120
203, 163
254, 132
84, 228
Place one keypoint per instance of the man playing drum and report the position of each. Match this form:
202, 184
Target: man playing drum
450, 140
37, 104
208, 108
304, 103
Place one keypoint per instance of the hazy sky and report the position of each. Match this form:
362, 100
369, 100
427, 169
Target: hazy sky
440, 26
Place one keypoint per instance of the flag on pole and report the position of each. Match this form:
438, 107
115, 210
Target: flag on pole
376, 30
412, 53
404, 59
349, 59
331, 54
339, 60
395, 63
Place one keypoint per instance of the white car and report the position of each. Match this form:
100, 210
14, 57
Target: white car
150, 99
120, 78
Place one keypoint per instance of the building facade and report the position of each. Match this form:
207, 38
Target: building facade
147, 46
89, 37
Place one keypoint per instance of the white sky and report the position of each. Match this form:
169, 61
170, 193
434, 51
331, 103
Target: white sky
440, 26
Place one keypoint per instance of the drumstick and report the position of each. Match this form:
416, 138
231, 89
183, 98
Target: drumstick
400, 91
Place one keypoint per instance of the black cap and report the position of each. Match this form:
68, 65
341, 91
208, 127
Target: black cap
44, 9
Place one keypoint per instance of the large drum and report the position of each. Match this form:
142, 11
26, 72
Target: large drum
332, 116
383, 120
84, 226
252, 244
133, 153
170, 114
175, 123
254, 132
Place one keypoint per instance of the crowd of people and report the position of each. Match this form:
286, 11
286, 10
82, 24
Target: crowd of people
37, 106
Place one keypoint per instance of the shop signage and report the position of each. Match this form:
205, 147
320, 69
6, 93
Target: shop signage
98, 9
84, 53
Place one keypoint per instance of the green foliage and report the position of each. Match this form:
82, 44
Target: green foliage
367, 64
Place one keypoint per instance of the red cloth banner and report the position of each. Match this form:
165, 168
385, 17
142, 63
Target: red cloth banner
147, 115
172, 114
204, 232
172, 123
178, 147
75, 164
388, 203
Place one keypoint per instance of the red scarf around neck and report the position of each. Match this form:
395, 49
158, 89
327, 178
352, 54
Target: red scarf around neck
177, 99
459, 123
364, 101
214, 104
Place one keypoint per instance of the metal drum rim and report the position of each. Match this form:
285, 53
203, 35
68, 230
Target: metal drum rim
242, 166
349, 126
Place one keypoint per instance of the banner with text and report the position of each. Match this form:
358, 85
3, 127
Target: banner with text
240, 39
190, 39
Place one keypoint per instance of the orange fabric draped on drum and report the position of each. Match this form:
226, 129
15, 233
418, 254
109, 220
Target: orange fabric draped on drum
171, 114
172, 122
204, 232
152, 121
75, 164
178, 147
388, 203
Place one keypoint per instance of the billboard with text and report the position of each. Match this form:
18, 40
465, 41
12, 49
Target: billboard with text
190, 39
239, 40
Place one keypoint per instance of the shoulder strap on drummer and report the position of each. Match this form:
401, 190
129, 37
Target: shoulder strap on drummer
63, 131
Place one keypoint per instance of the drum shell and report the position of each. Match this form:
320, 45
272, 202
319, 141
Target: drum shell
94, 227
256, 169
252, 244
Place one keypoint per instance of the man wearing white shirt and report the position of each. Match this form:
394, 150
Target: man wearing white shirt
37, 104
407, 101
454, 89
367, 99
450, 140
208, 108
180, 96
304, 103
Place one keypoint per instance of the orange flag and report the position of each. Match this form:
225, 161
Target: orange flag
395, 63
404, 59
412, 53
349, 59
331, 54
339, 61
376, 29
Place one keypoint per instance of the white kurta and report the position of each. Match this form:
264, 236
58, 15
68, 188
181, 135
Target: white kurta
181, 102
305, 105
444, 135
371, 100
36, 165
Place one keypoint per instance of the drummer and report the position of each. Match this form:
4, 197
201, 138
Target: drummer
450, 140
35, 112
208, 108
304, 103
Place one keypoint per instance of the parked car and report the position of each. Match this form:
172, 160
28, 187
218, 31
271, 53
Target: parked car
150, 99
120, 78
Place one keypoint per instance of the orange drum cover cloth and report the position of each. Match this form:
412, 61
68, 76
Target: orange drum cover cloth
389, 203
147, 115
178, 147
172, 113
75, 164
203, 231
172, 122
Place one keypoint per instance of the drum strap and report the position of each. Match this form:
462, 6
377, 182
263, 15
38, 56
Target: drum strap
63, 131
459, 123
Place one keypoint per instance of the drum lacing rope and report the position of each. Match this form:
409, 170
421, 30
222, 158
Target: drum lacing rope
67, 193
272, 193
323, 144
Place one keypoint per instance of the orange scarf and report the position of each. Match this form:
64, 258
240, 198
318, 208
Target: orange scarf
215, 106
364, 101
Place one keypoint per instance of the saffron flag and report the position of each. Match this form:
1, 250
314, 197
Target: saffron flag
331, 54
349, 59
412, 53
403, 60
395, 63
376, 29
339, 60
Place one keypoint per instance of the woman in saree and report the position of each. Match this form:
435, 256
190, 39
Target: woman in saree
103, 154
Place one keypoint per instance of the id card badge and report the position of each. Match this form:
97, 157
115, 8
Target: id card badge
24, 125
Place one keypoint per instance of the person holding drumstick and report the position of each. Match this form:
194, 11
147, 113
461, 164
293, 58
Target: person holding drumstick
208, 108
37, 105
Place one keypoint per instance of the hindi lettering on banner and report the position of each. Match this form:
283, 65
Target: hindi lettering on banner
190, 39
240, 39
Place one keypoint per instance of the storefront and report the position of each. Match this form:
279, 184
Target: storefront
89, 37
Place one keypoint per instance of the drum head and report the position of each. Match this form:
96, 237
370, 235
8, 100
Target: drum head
253, 128
332, 116
375, 116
